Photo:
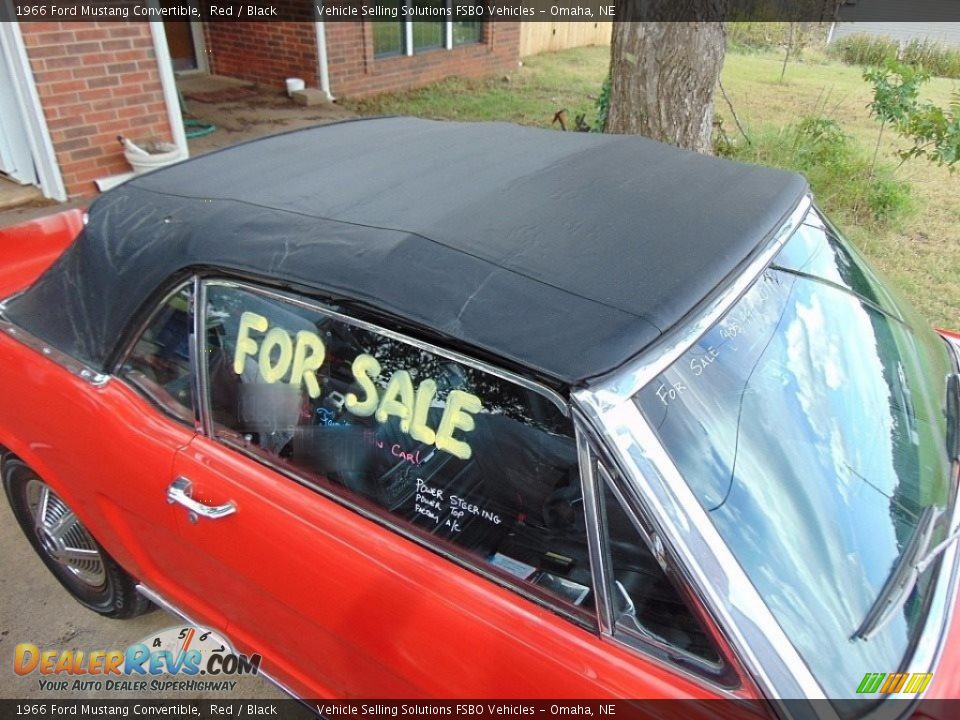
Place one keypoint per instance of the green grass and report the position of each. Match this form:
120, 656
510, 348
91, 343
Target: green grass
920, 253
545, 84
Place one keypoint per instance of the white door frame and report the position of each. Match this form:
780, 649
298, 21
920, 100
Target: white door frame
34, 122
199, 46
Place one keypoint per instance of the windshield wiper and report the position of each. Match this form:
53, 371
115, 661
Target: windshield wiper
917, 555
904, 576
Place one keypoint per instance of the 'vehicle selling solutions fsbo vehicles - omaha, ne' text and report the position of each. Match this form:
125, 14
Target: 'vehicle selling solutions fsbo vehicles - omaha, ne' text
425, 409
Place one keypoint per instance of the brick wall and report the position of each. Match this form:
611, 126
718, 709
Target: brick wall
355, 72
95, 81
264, 52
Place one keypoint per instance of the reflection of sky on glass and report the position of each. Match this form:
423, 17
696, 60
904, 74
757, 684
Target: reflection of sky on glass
809, 491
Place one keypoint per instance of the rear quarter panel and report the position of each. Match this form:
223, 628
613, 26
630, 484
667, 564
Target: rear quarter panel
26, 250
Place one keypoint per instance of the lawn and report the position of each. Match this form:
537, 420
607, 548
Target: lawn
920, 254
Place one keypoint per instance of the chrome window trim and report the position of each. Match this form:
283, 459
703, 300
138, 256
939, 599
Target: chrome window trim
594, 473
705, 561
67, 362
626, 382
383, 517
132, 344
599, 568
141, 327
641, 644
201, 368
318, 306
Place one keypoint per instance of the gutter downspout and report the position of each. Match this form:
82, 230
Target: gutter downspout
321, 31
169, 84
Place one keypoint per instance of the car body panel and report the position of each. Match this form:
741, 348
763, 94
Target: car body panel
105, 450
29, 248
342, 607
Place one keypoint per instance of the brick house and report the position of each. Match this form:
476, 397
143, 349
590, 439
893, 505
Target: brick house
68, 89
359, 58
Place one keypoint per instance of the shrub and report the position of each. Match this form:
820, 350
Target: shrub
864, 49
835, 164
934, 57
933, 131
764, 36
752, 36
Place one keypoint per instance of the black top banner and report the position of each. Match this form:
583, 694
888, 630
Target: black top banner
483, 10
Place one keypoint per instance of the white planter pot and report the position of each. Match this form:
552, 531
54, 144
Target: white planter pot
295, 85
142, 163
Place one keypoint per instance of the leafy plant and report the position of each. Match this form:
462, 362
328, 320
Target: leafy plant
835, 164
933, 132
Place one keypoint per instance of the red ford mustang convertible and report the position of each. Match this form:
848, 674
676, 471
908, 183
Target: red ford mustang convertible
421, 409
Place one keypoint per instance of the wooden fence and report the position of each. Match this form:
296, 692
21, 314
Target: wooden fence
538, 37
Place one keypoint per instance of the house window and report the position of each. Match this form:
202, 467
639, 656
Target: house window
415, 30
429, 34
465, 33
388, 35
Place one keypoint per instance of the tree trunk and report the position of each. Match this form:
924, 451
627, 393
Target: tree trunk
663, 78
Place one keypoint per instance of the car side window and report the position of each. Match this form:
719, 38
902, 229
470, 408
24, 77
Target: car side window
648, 608
159, 365
463, 460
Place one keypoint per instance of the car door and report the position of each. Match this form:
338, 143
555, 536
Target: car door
380, 518
147, 415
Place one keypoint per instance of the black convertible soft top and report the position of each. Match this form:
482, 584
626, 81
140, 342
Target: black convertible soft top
566, 253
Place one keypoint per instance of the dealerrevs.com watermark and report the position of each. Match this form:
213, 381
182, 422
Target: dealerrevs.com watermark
180, 659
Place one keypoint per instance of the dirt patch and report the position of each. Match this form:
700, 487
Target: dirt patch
221, 96
265, 112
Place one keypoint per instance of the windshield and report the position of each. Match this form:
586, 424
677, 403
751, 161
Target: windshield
809, 423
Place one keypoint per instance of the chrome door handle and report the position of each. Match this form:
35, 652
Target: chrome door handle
179, 492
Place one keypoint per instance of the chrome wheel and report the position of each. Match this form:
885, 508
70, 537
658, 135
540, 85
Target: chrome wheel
61, 535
